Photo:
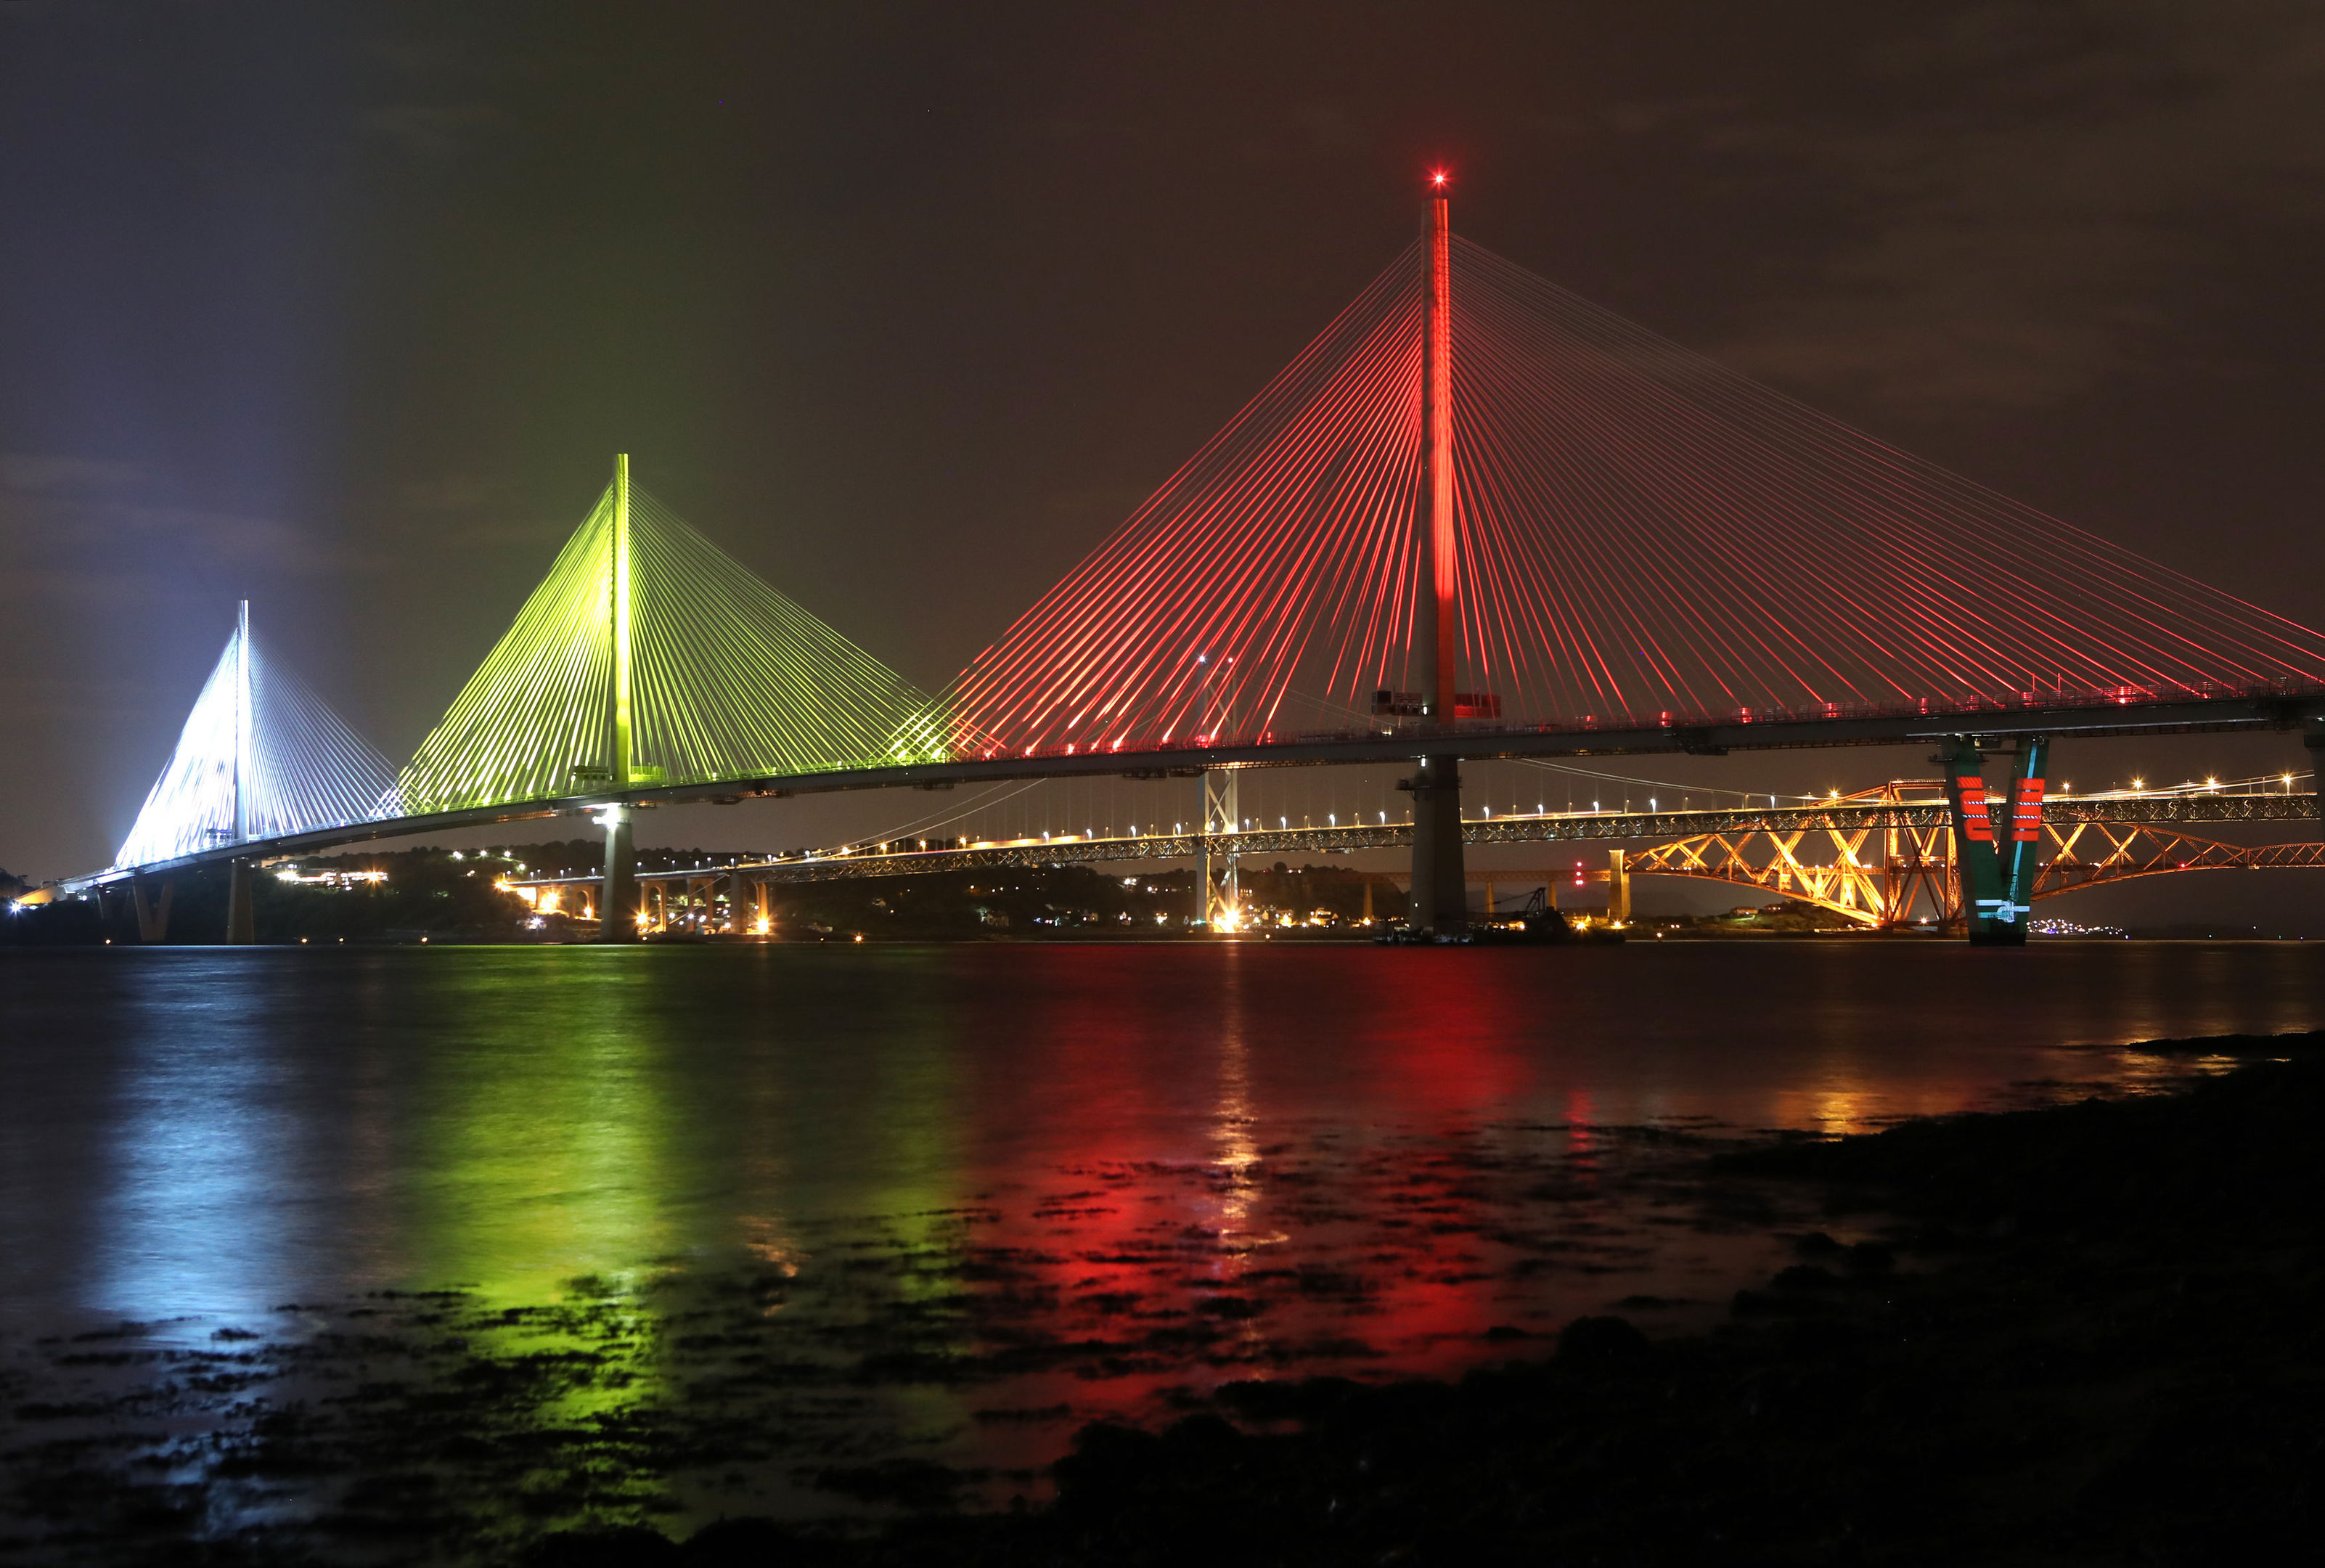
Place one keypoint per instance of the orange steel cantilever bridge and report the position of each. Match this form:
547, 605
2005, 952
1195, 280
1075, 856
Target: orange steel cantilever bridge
1474, 517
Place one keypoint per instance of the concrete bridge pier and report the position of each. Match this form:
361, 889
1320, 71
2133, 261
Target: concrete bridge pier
1440, 894
241, 919
152, 914
618, 902
1998, 838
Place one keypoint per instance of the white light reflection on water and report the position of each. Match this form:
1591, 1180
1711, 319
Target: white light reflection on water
200, 1221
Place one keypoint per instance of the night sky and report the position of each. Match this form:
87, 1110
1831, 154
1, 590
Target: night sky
345, 308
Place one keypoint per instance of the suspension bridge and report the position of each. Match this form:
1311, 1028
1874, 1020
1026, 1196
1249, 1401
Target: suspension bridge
1476, 518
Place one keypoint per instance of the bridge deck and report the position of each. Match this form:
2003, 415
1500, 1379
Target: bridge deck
2083, 716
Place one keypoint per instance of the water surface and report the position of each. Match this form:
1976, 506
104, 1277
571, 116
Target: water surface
691, 1230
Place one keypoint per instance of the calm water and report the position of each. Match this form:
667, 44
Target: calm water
762, 1227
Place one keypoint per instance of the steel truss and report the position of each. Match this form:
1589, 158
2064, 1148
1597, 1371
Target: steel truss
1911, 873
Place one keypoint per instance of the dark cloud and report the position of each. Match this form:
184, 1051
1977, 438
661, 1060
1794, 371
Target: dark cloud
2046, 209
437, 131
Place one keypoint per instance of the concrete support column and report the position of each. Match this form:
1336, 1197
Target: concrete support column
2018, 833
1998, 838
1618, 889
241, 919
738, 903
1440, 894
152, 908
618, 902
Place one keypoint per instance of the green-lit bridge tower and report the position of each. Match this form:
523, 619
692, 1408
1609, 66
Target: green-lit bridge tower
617, 915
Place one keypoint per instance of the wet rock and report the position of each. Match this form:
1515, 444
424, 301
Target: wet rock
754, 1543
1309, 1399
1601, 1341
627, 1546
1205, 1432
1108, 1460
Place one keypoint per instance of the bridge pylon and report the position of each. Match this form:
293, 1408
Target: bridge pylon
1440, 897
617, 921
648, 659
260, 757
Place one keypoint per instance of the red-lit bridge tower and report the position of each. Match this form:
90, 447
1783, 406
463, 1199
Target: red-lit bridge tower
1439, 904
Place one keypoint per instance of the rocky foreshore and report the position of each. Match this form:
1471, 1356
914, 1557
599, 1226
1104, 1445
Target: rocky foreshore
2091, 1333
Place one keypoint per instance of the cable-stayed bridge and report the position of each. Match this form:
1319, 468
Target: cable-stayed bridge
1475, 517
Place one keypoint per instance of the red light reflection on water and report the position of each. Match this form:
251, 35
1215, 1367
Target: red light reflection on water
1202, 1230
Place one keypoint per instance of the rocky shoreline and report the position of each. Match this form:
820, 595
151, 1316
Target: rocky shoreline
2091, 1333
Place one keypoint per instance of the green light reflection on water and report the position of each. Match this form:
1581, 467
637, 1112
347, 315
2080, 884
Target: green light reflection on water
616, 1137
546, 1137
